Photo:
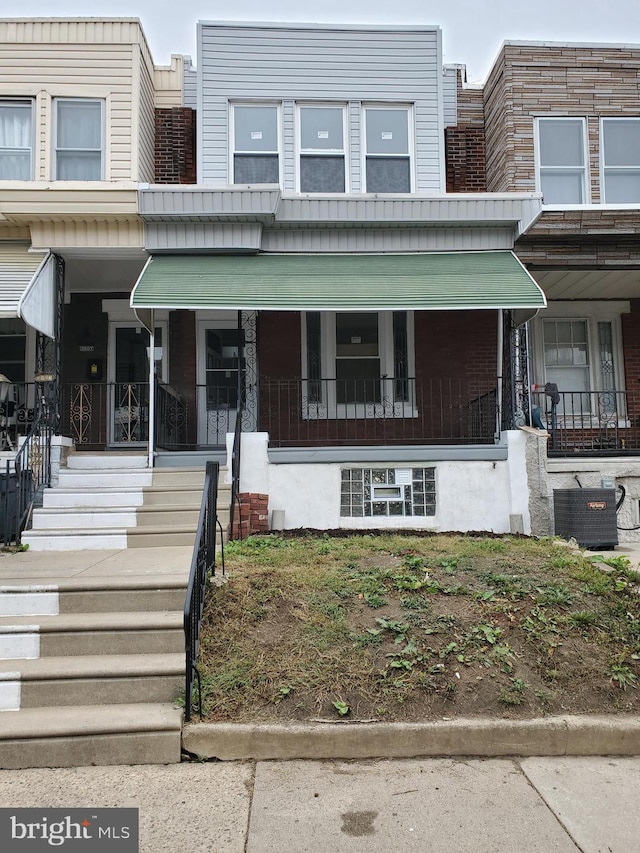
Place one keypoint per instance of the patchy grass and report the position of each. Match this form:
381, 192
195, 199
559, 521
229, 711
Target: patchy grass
418, 627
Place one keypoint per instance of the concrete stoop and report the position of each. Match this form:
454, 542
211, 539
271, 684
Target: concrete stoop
106, 501
90, 668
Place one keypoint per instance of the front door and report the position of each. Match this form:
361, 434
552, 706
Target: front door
128, 384
220, 378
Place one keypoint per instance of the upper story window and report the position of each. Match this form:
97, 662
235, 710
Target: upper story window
322, 158
16, 140
620, 141
562, 161
255, 148
79, 140
387, 151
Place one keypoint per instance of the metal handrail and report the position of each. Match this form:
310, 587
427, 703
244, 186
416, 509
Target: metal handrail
203, 566
27, 475
235, 467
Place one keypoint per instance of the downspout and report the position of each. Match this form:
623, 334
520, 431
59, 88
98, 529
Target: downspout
499, 372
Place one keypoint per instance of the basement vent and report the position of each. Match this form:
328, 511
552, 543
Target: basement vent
380, 492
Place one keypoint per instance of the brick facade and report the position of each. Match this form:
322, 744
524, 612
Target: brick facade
175, 146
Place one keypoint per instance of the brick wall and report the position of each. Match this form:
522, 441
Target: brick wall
182, 365
464, 144
251, 515
529, 81
175, 146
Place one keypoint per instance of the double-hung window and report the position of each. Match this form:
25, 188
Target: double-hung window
255, 144
387, 150
620, 153
562, 162
16, 140
359, 364
322, 158
79, 139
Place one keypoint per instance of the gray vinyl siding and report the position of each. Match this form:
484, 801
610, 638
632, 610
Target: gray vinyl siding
355, 147
189, 84
288, 145
279, 64
450, 96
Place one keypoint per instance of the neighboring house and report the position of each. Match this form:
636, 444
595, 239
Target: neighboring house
313, 233
79, 103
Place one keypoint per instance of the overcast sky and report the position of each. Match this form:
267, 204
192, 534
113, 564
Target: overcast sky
473, 30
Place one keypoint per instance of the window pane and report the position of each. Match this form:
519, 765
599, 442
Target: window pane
15, 166
358, 380
321, 174
321, 128
255, 169
621, 142
79, 125
256, 128
388, 175
15, 126
605, 345
622, 187
357, 334
15, 141
561, 142
79, 166
387, 131
562, 187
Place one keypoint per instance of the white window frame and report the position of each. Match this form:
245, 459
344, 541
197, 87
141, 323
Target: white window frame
328, 152
27, 103
591, 313
603, 166
232, 137
408, 108
328, 407
103, 135
585, 169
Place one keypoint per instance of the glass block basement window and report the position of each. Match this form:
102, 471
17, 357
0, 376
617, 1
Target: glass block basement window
379, 492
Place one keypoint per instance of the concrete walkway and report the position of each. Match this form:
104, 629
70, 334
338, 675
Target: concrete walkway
535, 805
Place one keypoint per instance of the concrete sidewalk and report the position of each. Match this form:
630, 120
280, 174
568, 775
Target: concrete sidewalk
534, 805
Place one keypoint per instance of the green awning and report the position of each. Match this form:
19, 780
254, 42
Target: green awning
455, 280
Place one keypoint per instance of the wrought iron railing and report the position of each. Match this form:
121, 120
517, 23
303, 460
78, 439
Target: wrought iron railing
171, 418
384, 411
27, 475
594, 423
203, 566
104, 413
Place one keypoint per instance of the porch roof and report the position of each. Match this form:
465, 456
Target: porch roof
305, 282
26, 286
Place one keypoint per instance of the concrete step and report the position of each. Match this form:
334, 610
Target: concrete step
109, 478
91, 634
153, 535
91, 680
192, 495
138, 593
170, 477
140, 733
67, 518
94, 461
81, 498
168, 517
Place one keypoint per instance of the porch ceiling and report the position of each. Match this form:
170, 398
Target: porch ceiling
589, 284
300, 282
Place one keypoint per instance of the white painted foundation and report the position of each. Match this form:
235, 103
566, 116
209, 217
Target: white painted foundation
470, 495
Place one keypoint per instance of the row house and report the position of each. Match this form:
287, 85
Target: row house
321, 239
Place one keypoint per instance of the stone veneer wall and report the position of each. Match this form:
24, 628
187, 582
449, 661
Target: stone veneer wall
529, 81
